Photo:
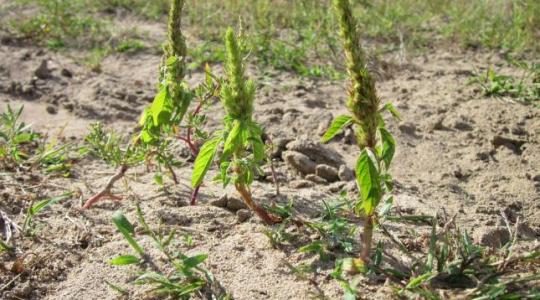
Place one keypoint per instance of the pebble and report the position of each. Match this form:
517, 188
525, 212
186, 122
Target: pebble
242, 215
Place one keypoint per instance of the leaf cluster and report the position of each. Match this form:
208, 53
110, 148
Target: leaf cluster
21, 146
188, 276
525, 89
241, 139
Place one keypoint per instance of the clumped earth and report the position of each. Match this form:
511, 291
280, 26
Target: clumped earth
458, 151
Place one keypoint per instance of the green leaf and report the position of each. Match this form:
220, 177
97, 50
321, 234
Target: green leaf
36, 208
161, 107
416, 281
193, 261
392, 109
388, 147
127, 230
367, 177
338, 124
258, 148
123, 260
204, 160
233, 140
117, 288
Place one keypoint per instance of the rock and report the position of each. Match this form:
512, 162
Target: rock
299, 162
172, 218
235, 204
462, 126
43, 72
52, 109
536, 178
66, 73
494, 237
345, 173
300, 184
279, 145
316, 179
242, 215
408, 129
131, 98
336, 187
316, 152
327, 172
220, 202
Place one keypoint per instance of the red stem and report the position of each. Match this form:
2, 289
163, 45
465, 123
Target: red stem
106, 191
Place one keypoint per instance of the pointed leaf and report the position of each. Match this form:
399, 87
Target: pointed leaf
123, 260
161, 107
233, 140
367, 177
388, 148
193, 261
204, 160
392, 109
127, 230
337, 125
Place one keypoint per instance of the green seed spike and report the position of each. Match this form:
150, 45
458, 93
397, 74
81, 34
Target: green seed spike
177, 43
175, 53
238, 93
363, 102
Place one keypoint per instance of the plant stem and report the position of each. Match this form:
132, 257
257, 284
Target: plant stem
261, 212
367, 237
106, 191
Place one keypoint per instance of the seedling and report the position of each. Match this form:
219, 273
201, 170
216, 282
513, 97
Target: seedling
21, 146
243, 148
15, 136
500, 86
36, 208
188, 276
376, 144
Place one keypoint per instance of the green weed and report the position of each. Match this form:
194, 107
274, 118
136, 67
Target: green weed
20, 146
36, 208
113, 149
525, 89
243, 148
188, 277
376, 144
60, 23
17, 138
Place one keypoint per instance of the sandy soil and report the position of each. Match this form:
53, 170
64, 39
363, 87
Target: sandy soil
458, 151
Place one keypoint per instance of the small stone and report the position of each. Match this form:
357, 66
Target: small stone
131, 98
28, 89
408, 129
242, 215
462, 126
235, 204
345, 173
316, 179
278, 146
327, 172
299, 162
536, 178
43, 72
220, 202
300, 184
52, 109
336, 187
316, 152
66, 73
494, 237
